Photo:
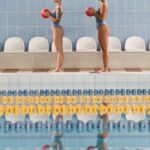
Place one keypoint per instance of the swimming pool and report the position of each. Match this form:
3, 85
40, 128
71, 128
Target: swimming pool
125, 131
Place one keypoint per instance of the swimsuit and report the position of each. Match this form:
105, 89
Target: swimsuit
55, 24
99, 21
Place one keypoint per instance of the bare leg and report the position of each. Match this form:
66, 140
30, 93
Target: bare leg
58, 43
105, 135
103, 36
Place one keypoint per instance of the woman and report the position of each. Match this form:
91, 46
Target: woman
58, 33
103, 32
57, 137
102, 137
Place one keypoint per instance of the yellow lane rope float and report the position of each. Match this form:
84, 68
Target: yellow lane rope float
103, 110
87, 99
94, 109
99, 99
4, 100
138, 99
42, 99
48, 99
40, 110
30, 99
110, 109
68, 99
145, 99
1, 110
24, 110
70, 110
63, 109
56, 110
74, 99
87, 109
106, 99
80, 99
119, 99
10, 99
8, 110
48, 110
134, 109
36, 99
20, 99
126, 109
142, 109
125, 99
118, 109
31, 110
148, 109
112, 99
94, 99
78, 109
16, 110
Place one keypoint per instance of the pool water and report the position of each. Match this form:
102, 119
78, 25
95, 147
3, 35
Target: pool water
124, 134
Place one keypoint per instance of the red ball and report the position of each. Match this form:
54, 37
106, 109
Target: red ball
88, 13
45, 13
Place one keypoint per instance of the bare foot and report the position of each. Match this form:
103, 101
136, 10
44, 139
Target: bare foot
93, 71
57, 70
45, 147
103, 70
90, 148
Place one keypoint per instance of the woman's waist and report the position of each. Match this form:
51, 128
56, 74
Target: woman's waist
98, 21
55, 24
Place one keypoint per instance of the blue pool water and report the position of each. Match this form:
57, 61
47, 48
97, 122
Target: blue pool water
30, 136
26, 135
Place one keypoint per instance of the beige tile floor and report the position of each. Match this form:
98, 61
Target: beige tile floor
77, 70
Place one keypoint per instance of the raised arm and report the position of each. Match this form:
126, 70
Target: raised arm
103, 10
59, 13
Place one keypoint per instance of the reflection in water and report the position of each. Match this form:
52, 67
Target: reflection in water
57, 136
102, 137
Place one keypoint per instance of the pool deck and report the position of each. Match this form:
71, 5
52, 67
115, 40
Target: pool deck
74, 80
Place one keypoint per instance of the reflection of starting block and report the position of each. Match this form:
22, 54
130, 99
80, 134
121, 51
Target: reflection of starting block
86, 118
36, 118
